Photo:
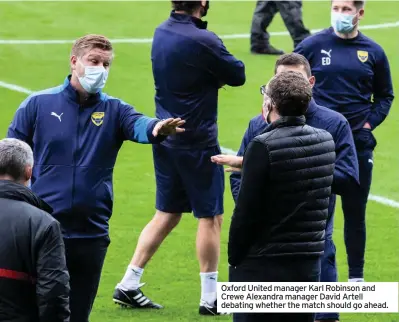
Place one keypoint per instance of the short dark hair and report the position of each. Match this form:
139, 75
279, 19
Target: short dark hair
290, 93
359, 4
293, 59
187, 6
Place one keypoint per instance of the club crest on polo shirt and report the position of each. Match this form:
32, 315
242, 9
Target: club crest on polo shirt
362, 55
97, 118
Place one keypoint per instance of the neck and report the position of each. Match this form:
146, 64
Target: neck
273, 117
83, 95
195, 14
351, 35
6, 177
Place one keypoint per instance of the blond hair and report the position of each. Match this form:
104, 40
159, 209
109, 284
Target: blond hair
89, 42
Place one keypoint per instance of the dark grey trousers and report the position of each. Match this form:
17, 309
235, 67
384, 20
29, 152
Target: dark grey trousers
291, 12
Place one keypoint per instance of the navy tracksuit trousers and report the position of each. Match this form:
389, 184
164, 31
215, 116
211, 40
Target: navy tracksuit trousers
85, 259
354, 205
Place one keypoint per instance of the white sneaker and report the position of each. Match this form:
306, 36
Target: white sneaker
353, 280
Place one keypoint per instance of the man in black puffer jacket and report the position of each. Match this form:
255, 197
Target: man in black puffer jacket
34, 281
278, 227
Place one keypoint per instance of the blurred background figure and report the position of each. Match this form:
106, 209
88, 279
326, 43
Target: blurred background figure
291, 12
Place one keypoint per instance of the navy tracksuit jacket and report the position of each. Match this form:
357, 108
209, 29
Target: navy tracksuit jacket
346, 173
190, 64
75, 148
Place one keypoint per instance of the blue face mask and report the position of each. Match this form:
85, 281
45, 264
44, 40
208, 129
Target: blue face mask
94, 78
342, 23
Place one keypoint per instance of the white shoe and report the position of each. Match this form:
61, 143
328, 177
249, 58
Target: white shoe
354, 280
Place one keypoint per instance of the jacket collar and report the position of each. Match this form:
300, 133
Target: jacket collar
287, 121
73, 94
16, 191
184, 18
312, 108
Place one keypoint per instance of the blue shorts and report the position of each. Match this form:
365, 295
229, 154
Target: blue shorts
187, 181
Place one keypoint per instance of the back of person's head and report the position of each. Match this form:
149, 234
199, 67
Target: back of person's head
191, 7
16, 161
290, 93
293, 60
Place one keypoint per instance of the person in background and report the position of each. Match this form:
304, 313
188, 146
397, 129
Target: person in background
354, 79
189, 65
346, 173
287, 174
34, 280
291, 12
76, 132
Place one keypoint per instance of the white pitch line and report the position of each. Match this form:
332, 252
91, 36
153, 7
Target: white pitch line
149, 40
379, 199
15, 88
384, 201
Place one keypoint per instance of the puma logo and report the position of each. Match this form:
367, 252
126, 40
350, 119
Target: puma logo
56, 115
328, 53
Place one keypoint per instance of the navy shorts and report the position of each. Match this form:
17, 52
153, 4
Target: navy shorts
187, 181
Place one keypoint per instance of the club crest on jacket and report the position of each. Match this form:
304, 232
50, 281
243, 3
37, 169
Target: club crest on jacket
362, 55
97, 118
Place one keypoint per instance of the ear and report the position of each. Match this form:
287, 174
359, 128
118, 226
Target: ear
265, 109
361, 14
203, 3
312, 81
73, 62
28, 174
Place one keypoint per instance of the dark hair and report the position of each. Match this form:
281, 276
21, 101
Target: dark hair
187, 6
293, 59
359, 4
290, 93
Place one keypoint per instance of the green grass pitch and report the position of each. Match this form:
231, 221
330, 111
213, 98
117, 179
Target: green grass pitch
172, 276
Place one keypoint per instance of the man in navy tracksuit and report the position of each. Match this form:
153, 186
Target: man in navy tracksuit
350, 68
346, 171
189, 65
75, 132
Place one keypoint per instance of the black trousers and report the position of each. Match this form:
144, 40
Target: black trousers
354, 205
85, 259
291, 12
276, 270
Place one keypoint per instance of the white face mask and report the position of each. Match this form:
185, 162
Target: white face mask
94, 78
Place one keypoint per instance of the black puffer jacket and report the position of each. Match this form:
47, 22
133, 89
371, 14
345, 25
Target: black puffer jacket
282, 205
34, 281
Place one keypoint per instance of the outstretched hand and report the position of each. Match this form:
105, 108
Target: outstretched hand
233, 162
168, 127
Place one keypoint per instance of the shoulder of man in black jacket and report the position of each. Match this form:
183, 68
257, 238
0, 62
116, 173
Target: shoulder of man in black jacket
32, 242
